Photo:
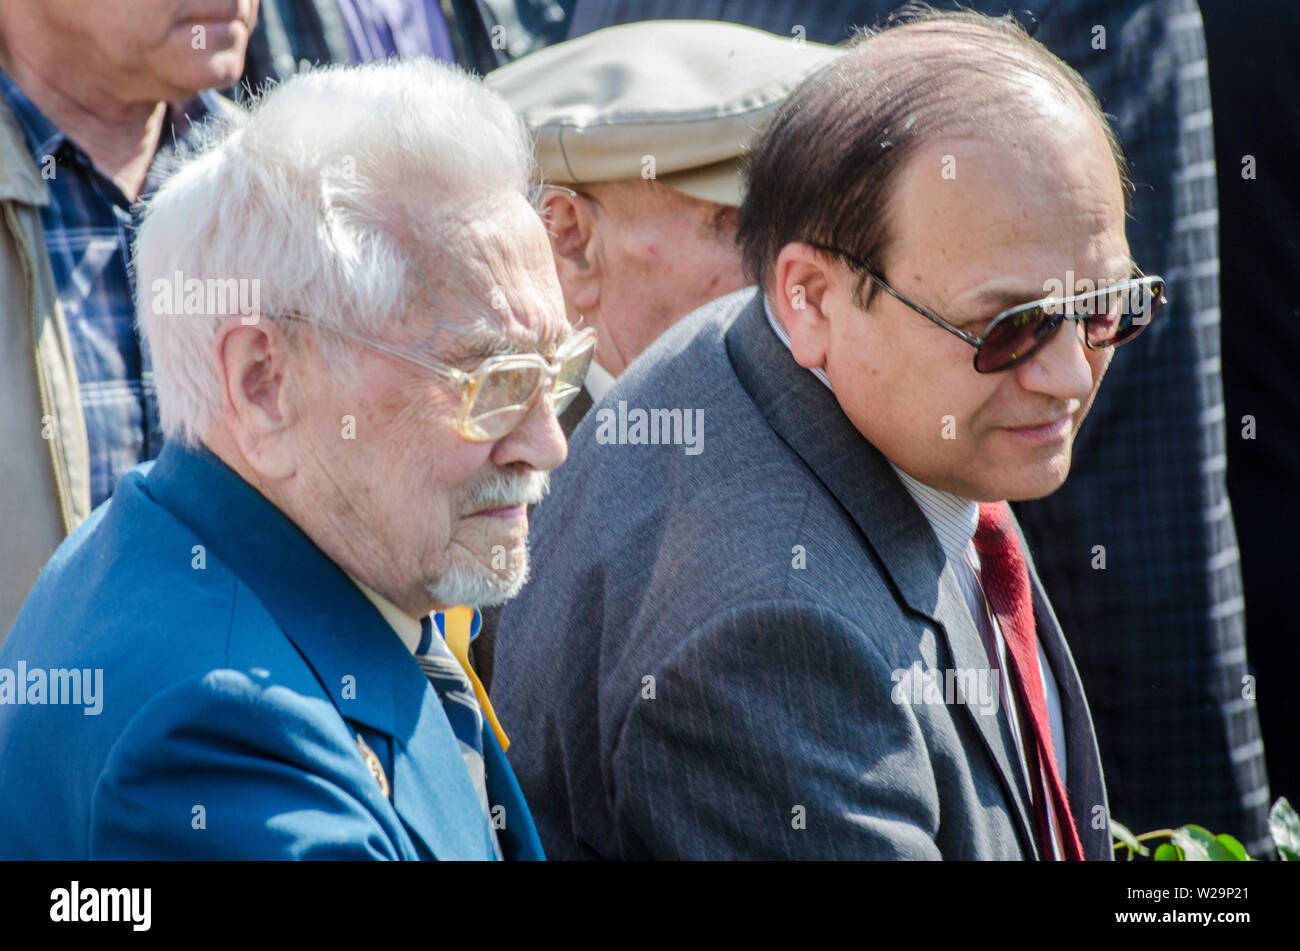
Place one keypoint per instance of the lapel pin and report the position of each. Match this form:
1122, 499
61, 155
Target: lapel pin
376, 768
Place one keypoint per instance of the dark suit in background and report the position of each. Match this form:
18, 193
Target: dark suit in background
483, 647
1159, 634
1253, 75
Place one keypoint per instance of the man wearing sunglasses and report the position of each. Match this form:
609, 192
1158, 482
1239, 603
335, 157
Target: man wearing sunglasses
279, 609
824, 637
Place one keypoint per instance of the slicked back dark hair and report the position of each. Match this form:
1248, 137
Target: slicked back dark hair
824, 171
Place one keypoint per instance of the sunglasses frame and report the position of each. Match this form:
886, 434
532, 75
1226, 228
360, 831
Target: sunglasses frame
978, 342
471, 382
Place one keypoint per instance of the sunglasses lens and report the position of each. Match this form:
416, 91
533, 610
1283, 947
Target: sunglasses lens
1123, 314
1111, 317
1016, 336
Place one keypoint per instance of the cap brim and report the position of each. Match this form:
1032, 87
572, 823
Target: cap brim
720, 183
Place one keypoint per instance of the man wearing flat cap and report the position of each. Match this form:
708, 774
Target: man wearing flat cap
641, 128
644, 125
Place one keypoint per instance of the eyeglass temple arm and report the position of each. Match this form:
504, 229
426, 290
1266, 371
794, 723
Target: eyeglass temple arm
871, 275
447, 373
969, 338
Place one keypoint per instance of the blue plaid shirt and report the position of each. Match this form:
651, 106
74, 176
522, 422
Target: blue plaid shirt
89, 226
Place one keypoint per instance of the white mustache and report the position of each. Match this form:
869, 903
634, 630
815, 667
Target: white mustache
501, 491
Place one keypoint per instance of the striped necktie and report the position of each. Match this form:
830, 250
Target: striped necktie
456, 692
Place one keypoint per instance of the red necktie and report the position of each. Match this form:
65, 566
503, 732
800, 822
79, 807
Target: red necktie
1005, 577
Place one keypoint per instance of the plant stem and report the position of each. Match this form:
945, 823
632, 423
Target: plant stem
1155, 835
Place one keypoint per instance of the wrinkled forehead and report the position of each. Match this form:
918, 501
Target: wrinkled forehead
493, 276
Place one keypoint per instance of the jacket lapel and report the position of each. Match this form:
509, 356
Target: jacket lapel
966, 646
518, 838
363, 667
806, 416
432, 791
1085, 785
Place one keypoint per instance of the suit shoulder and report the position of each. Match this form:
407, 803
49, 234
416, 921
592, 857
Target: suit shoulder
236, 704
231, 764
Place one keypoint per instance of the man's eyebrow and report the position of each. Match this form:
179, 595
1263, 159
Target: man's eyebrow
492, 343
1004, 298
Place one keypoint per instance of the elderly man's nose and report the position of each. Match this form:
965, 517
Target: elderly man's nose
538, 441
1061, 367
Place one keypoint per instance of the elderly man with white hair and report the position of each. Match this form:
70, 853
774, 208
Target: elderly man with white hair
360, 347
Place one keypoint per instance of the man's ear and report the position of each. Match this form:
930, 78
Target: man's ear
251, 368
803, 281
570, 222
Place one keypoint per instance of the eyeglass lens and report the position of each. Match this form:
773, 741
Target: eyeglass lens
506, 393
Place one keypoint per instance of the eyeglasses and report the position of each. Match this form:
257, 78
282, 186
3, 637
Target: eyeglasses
498, 395
1112, 315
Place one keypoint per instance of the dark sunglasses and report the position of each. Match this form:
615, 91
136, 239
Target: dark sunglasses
1112, 315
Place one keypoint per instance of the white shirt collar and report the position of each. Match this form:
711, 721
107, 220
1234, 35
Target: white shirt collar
598, 381
406, 627
785, 339
953, 518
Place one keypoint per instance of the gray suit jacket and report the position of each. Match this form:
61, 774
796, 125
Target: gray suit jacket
677, 686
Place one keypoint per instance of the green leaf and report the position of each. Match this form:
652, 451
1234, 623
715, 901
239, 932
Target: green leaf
1191, 845
1168, 853
1232, 845
1122, 834
1285, 826
1215, 850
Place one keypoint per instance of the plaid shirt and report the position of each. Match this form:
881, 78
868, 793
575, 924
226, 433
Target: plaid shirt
89, 226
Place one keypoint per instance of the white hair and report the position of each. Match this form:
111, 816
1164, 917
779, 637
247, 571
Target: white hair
304, 200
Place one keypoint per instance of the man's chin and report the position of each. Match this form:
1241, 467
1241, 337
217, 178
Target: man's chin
1039, 480
478, 587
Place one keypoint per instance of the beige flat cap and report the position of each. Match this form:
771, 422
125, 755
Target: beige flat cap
676, 100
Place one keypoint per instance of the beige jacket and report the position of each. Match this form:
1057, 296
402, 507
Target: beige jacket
44, 455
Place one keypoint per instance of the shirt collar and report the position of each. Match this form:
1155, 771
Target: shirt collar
408, 629
953, 518
598, 381
404, 626
43, 136
785, 339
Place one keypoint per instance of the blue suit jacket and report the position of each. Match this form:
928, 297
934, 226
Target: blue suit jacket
240, 667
